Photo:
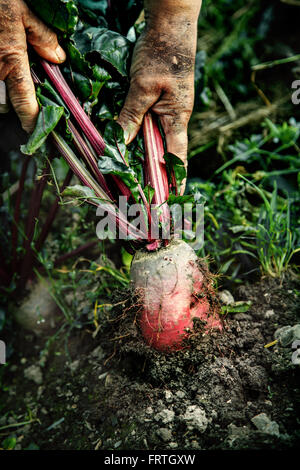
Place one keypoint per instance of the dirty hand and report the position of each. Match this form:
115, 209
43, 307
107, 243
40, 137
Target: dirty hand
162, 72
17, 26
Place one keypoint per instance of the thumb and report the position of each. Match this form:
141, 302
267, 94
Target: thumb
137, 103
42, 38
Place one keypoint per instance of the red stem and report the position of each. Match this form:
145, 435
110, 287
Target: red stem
75, 252
52, 213
28, 260
155, 165
14, 235
87, 155
110, 207
73, 104
84, 122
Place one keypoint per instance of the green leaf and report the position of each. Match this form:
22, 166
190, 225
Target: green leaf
88, 88
114, 160
238, 307
80, 192
284, 133
225, 266
60, 14
126, 258
108, 165
46, 88
78, 47
115, 141
187, 198
9, 443
104, 112
149, 193
77, 190
114, 49
89, 44
98, 7
176, 166
241, 228
47, 120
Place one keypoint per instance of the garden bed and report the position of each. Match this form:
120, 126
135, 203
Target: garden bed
227, 391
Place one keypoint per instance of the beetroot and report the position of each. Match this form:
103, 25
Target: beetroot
173, 290
172, 286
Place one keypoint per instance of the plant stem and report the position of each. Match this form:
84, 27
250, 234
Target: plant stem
52, 213
28, 260
155, 165
16, 219
87, 155
75, 252
271, 63
54, 73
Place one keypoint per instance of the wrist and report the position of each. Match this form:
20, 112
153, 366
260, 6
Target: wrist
170, 21
173, 22
159, 13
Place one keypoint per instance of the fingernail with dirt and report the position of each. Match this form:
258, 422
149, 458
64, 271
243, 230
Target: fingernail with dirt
60, 54
129, 133
126, 137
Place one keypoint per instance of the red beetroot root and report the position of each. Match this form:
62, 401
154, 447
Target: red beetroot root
172, 290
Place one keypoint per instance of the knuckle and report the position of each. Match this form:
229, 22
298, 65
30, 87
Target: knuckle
10, 60
185, 115
178, 121
130, 114
138, 85
26, 111
25, 106
42, 36
20, 83
27, 125
145, 84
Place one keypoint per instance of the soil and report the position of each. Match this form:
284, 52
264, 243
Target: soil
111, 391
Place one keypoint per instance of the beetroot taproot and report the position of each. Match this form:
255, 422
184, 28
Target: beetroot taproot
172, 290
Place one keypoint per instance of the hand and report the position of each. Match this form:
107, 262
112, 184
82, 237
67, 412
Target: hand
162, 78
17, 26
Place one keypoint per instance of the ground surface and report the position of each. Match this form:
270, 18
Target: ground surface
110, 393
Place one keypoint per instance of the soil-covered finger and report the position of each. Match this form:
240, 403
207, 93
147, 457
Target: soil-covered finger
42, 38
22, 94
138, 101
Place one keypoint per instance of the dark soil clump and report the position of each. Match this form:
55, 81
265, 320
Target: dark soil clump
224, 391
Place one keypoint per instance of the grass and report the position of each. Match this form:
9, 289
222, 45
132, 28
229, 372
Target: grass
253, 205
275, 242
82, 292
